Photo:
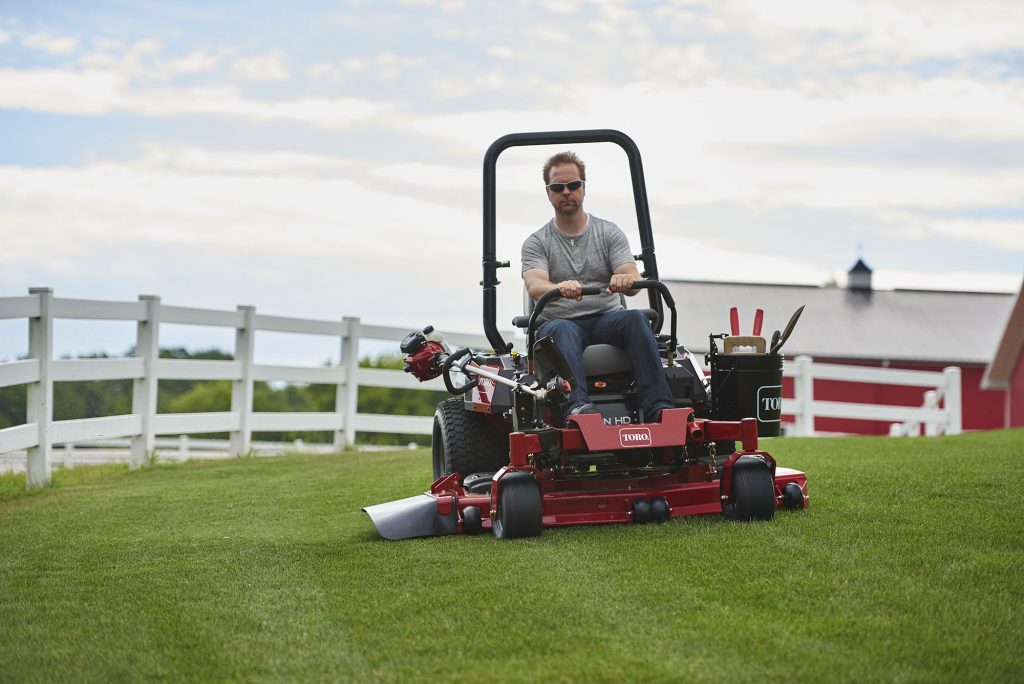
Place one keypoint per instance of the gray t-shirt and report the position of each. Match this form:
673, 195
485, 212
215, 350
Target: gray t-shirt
590, 257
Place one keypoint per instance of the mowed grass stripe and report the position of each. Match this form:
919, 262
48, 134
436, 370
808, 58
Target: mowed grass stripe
907, 566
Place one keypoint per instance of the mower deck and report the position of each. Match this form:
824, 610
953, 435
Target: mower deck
586, 499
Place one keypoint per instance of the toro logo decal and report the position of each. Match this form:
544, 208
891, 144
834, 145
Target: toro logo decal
769, 403
635, 437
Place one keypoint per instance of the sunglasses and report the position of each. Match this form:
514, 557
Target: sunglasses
559, 187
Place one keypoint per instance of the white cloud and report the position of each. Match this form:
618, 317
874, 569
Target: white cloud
444, 5
187, 160
390, 65
88, 92
431, 176
294, 202
4, 37
1001, 234
140, 61
560, 6
954, 280
196, 61
354, 64
100, 91
385, 65
339, 70
54, 45
269, 67
906, 30
705, 261
501, 52
729, 144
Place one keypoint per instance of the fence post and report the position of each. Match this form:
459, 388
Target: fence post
931, 401
804, 389
347, 397
147, 347
954, 415
39, 408
241, 390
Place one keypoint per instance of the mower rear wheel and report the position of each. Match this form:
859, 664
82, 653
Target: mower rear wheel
753, 492
465, 442
520, 512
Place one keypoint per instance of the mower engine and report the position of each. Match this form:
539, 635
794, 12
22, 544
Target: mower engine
424, 351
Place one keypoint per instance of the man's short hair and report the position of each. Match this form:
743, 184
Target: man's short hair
564, 158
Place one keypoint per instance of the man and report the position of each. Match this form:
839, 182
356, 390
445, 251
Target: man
576, 250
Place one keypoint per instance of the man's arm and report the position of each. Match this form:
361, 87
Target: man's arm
538, 282
623, 279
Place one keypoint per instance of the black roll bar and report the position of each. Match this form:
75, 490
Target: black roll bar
643, 214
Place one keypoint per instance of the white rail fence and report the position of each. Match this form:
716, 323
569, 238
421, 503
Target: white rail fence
40, 433
143, 426
936, 420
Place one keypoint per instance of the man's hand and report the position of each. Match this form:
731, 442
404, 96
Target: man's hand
622, 282
571, 289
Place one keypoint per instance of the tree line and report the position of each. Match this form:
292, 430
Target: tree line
94, 399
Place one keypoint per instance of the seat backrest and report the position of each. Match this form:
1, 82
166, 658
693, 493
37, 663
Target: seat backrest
604, 359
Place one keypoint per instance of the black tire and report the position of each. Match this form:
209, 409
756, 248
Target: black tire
753, 492
478, 483
520, 512
465, 442
472, 521
792, 497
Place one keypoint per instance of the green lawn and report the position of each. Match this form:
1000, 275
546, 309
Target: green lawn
907, 566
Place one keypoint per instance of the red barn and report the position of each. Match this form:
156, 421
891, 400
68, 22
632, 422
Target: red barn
982, 333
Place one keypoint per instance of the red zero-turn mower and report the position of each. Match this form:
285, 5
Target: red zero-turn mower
506, 459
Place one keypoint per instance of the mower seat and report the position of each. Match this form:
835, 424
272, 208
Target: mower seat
604, 359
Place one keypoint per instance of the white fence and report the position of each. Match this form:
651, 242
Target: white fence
142, 426
909, 419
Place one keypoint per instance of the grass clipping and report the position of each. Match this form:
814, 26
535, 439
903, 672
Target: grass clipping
906, 567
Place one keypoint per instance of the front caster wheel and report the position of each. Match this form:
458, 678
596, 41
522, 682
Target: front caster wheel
520, 512
792, 497
472, 521
753, 492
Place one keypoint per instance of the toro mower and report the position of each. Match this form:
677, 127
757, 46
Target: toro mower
505, 458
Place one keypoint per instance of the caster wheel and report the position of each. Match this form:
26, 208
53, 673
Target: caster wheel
753, 492
472, 522
520, 512
659, 510
641, 511
792, 497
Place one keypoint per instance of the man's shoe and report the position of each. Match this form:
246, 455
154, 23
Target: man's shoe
656, 415
583, 408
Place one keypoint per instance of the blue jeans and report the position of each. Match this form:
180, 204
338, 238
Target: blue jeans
628, 330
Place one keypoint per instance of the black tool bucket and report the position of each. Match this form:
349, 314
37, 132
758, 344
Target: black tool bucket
748, 386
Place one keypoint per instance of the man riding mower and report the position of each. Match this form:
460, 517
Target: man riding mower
600, 421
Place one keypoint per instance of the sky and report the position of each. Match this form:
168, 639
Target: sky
323, 159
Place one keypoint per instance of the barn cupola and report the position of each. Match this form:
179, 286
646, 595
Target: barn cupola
859, 277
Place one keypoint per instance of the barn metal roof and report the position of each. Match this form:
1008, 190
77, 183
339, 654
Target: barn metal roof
898, 325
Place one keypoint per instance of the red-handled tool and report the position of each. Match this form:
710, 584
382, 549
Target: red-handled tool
734, 320
758, 319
